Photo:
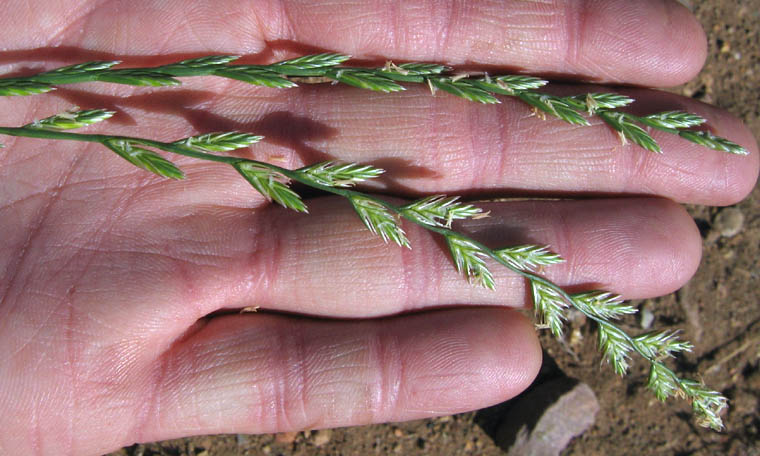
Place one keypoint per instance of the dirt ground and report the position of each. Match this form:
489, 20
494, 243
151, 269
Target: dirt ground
718, 311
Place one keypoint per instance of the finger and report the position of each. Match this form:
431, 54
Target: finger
328, 264
265, 373
442, 144
429, 144
648, 42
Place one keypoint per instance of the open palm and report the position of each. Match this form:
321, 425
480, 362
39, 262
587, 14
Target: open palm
109, 274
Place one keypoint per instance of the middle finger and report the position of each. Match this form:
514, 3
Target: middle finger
443, 144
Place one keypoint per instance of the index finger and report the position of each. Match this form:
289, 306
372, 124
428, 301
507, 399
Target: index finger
645, 42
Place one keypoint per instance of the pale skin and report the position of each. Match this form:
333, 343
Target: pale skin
108, 273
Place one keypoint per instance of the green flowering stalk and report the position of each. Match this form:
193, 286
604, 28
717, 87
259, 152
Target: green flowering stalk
389, 78
434, 213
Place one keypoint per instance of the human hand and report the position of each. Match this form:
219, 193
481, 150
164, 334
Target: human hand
108, 273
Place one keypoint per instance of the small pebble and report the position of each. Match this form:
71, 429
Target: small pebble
286, 437
576, 317
576, 337
546, 430
322, 437
729, 222
646, 316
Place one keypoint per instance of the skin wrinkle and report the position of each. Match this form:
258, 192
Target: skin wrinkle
15, 204
309, 385
333, 367
161, 255
420, 384
575, 20
169, 360
185, 23
123, 357
34, 231
385, 359
147, 419
277, 403
492, 164
181, 364
578, 25
442, 134
563, 242
260, 270
637, 166
176, 367
475, 125
448, 349
107, 184
258, 408
76, 15
99, 235
23, 160
32, 338
392, 16
73, 354
502, 142
410, 271
36, 429
298, 382
449, 20
169, 36
531, 37
32, 112
431, 274
435, 281
9, 143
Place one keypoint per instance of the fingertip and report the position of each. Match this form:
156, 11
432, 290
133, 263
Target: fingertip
688, 53
653, 43
521, 353
672, 245
739, 173
638, 247
495, 356
506, 351
749, 173
682, 252
708, 176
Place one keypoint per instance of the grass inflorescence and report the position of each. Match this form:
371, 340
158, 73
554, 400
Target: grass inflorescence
435, 213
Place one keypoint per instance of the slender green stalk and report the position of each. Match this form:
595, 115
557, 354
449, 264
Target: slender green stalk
320, 68
435, 214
